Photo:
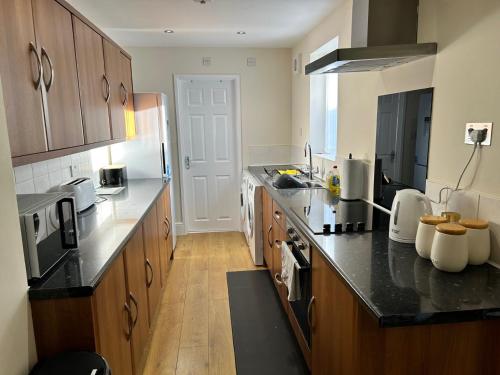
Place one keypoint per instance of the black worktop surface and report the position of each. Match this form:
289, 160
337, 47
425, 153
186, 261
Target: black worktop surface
389, 278
104, 231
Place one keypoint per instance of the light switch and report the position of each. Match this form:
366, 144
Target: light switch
206, 61
251, 61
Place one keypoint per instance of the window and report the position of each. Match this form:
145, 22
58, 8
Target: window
323, 106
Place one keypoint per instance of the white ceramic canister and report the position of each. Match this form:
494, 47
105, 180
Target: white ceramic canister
478, 238
425, 234
450, 249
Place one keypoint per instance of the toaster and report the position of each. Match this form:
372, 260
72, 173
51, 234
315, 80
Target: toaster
83, 191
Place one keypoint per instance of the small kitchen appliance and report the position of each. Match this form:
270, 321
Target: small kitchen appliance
113, 175
49, 230
408, 206
83, 191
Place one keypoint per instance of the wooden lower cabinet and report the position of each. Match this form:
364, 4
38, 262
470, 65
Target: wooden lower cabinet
152, 254
164, 218
115, 320
137, 298
112, 317
267, 228
347, 340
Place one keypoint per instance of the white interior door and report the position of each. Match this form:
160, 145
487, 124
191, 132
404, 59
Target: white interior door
209, 153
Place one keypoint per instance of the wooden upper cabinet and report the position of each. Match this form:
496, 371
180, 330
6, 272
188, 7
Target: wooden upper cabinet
137, 297
117, 99
19, 71
93, 83
112, 315
54, 37
267, 228
152, 253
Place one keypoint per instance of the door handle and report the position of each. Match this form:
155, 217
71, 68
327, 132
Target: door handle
38, 80
45, 55
136, 304
187, 162
148, 266
268, 234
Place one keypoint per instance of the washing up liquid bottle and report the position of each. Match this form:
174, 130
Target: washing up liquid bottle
334, 182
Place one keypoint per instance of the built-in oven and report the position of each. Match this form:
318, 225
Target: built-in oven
301, 250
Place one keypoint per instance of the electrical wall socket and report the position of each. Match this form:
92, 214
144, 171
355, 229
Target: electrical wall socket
478, 126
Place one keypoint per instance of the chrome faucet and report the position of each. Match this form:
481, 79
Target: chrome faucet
307, 147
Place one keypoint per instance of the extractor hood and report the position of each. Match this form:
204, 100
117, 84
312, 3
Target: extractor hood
384, 34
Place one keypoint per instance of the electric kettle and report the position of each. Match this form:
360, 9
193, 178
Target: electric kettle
407, 207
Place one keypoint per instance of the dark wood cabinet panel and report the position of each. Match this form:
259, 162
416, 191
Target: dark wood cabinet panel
112, 317
267, 228
54, 37
93, 83
117, 102
137, 297
19, 71
152, 253
333, 313
164, 233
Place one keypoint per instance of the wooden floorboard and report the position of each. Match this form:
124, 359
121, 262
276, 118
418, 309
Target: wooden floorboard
192, 334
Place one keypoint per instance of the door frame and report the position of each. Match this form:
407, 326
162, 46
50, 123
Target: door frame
235, 80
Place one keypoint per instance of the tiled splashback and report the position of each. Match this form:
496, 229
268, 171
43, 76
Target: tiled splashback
470, 203
45, 175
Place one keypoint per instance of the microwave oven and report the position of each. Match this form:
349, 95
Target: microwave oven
49, 230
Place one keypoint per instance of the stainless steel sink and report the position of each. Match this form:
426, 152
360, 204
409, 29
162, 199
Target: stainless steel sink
311, 184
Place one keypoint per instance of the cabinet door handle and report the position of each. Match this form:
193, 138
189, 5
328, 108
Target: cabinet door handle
38, 79
125, 94
136, 304
108, 88
148, 265
128, 333
277, 215
167, 223
48, 84
277, 278
309, 311
270, 242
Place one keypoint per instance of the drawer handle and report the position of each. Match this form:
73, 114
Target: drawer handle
148, 265
270, 242
48, 84
136, 304
277, 215
128, 333
309, 311
108, 88
38, 79
277, 278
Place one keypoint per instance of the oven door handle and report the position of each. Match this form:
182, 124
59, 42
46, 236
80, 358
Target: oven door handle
309, 311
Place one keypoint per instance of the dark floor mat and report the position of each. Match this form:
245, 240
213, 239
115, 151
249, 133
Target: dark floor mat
262, 336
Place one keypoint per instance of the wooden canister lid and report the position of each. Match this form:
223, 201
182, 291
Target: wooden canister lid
433, 220
474, 223
449, 228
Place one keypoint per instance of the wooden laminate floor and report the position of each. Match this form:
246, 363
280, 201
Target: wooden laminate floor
192, 333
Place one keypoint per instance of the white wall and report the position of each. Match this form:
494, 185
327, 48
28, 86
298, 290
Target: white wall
464, 73
17, 345
265, 92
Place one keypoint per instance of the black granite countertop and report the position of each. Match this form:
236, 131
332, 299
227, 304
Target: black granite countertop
104, 231
397, 286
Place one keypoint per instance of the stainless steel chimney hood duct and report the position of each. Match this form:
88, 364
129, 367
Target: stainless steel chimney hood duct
384, 34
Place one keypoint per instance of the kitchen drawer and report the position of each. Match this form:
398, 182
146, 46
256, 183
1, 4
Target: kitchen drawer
279, 215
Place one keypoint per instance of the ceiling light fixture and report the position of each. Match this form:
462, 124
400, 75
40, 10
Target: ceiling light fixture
168, 31
241, 32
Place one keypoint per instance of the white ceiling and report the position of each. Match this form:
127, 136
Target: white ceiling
268, 23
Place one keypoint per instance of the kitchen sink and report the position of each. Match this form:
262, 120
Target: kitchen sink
311, 184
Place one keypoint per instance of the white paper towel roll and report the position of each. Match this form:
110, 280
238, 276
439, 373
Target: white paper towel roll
352, 179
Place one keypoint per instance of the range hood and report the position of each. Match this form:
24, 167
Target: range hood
384, 34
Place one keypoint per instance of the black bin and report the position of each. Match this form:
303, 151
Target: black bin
74, 363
